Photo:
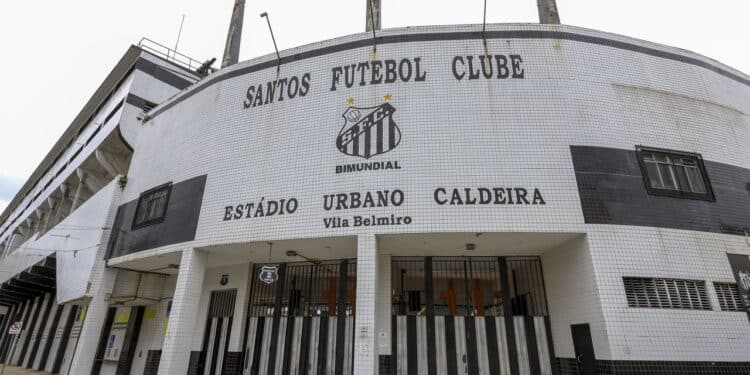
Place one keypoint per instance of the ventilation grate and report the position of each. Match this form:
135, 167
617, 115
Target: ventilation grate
666, 293
729, 296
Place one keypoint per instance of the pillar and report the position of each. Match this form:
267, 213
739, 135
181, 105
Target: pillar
93, 323
365, 330
548, 12
175, 355
384, 313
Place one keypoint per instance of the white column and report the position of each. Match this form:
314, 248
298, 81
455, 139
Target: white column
384, 313
93, 323
365, 333
183, 318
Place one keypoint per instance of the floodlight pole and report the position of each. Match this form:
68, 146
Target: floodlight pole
234, 35
278, 57
372, 21
548, 12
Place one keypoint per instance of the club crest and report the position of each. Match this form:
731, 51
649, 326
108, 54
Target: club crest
368, 132
269, 274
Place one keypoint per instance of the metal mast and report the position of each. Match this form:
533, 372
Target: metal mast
234, 35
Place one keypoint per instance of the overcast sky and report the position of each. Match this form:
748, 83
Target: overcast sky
56, 53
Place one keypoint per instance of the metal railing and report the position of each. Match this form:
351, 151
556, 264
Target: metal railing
170, 54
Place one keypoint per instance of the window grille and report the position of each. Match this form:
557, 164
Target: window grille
666, 293
222, 303
729, 296
674, 173
152, 206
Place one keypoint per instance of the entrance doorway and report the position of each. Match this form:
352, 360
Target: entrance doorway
584, 348
218, 328
469, 315
303, 322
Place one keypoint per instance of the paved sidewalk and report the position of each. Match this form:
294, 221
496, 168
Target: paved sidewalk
19, 371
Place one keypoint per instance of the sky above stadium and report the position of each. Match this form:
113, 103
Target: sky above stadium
56, 53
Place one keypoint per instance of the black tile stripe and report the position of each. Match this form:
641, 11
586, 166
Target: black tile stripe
550, 346
531, 347
472, 358
304, 353
341, 316
323, 345
137, 101
510, 331
493, 349
428, 291
40, 332
276, 319
258, 346
12, 316
464, 35
25, 323
30, 329
102, 346
50, 338
227, 362
450, 345
394, 344
288, 343
130, 340
411, 344
64, 339
215, 350
162, 74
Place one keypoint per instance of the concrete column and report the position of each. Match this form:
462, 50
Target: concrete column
79, 190
372, 15
183, 323
548, 12
365, 330
93, 323
384, 313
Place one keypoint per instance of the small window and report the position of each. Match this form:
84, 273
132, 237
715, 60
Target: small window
152, 206
729, 297
666, 293
674, 174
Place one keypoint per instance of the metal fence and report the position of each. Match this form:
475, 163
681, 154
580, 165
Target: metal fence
466, 286
306, 289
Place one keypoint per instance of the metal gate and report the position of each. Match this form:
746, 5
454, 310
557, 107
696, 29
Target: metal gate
303, 323
218, 328
469, 315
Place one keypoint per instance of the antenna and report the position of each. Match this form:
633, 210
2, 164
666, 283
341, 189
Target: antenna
278, 57
179, 33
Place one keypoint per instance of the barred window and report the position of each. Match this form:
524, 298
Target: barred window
674, 173
729, 296
152, 206
666, 293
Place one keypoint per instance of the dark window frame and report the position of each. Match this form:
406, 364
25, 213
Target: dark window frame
707, 196
136, 225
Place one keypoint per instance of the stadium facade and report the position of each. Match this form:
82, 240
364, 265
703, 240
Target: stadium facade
531, 199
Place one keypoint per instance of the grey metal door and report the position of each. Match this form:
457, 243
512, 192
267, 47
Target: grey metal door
584, 349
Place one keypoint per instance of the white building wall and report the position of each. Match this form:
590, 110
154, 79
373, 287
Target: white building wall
682, 335
239, 275
572, 297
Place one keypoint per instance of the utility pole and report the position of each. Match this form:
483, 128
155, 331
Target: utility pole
548, 12
234, 35
372, 9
